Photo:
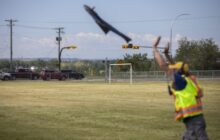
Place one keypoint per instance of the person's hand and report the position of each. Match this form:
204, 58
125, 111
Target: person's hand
166, 49
157, 41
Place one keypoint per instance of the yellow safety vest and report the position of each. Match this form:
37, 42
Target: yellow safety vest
186, 104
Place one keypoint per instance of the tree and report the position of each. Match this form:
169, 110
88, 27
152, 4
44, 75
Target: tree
139, 62
200, 55
5, 65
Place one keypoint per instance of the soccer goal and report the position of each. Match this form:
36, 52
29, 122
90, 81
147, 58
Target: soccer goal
123, 64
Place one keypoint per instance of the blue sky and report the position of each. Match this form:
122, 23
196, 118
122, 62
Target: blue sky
142, 20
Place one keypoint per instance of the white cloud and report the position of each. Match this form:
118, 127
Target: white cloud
91, 36
95, 37
47, 42
42, 42
90, 45
178, 37
148, 37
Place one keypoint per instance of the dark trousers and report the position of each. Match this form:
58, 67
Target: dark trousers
195, 128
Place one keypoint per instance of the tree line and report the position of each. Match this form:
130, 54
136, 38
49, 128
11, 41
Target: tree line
200, 55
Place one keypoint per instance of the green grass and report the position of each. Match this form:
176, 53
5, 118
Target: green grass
68, 110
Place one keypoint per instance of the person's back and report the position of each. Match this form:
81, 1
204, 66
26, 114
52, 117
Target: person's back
187, 93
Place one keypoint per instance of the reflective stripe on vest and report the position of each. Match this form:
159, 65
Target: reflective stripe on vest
189, 111
185, 101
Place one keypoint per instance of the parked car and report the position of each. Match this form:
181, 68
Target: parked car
25, 73
51, 74
73, 74
5, 76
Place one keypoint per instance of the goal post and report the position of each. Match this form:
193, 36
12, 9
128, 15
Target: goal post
123, 64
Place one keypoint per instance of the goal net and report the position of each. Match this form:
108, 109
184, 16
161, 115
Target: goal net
120, 76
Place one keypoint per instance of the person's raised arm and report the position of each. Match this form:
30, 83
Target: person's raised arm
166, 53
159, 58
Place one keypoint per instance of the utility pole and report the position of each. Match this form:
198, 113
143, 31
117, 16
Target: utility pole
106, 69
11, 40
59, 39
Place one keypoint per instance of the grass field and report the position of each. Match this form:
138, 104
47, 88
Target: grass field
68, 110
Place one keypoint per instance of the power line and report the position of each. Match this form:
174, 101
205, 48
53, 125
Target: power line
165, 19
132, 21
35, 27
120, 21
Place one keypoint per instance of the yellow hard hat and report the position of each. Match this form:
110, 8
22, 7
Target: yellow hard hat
179, 65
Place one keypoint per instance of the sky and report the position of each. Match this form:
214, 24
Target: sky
142, 20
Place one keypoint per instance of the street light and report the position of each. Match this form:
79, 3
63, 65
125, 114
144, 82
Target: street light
68, 47
171, 28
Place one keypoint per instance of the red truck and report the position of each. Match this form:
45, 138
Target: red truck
51, 74
25, 73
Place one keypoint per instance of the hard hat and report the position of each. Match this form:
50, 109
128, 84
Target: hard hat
179, 65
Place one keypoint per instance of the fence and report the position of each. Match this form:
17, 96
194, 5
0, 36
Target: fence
161, 75
155, 76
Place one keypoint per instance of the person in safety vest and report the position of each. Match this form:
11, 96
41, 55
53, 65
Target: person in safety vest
187, 94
